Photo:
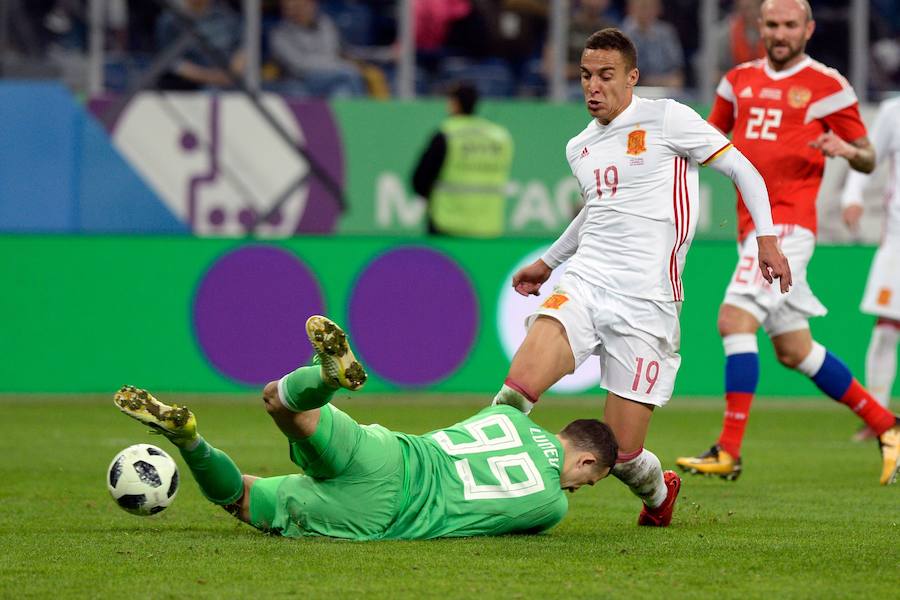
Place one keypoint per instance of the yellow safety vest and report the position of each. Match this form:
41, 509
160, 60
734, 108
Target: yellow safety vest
469, 197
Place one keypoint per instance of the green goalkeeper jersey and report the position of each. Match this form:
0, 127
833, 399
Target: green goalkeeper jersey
494, 473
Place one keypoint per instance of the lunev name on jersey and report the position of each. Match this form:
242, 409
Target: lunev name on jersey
546, 445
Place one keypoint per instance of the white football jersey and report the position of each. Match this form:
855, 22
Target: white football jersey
886, 140
638, 177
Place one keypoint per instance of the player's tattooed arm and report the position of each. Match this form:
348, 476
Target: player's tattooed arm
860, 153
864, 161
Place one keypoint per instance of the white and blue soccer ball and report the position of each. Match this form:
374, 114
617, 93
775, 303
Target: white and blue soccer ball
143, 479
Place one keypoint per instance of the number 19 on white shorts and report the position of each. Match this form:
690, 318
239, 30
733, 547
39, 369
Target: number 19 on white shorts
635, 339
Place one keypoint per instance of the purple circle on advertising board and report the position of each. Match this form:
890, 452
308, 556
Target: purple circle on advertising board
250, 312
413, 316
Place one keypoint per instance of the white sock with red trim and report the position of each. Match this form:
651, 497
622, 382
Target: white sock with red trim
515, 395
642, 472
881, 361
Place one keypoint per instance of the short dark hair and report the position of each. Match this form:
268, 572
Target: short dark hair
466, 95
596, 437
613, 39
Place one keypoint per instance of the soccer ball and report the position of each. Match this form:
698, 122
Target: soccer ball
143, 479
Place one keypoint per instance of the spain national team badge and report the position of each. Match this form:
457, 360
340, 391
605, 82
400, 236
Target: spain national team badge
555, 301
798, 97
637, 142
884, 297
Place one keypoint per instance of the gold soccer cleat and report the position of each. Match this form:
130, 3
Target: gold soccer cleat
889, 443
339, 366
176, 423
715, 461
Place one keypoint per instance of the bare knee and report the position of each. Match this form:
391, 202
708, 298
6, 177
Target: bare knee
283, 417
792, 348
293, 423
790, 353
734, 320
271, 401
789, 356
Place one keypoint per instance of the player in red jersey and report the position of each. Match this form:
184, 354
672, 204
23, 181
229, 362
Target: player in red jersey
787, 113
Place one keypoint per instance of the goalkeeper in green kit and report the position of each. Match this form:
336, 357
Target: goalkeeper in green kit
492, 474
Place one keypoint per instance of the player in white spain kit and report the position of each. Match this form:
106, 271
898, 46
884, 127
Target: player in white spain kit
882, 295
619, 299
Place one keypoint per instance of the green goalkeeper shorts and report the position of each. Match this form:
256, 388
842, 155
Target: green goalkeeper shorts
352, 487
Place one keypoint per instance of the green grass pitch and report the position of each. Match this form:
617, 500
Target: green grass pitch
806, 520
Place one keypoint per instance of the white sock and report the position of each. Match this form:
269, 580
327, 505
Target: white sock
740, 343
810, 365
881, 362
508, 395
644, 477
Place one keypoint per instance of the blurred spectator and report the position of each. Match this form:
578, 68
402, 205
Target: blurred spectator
888, 14
37, 26
24, 33
519, 28
660, 57
27, 27
472, 36
48, 38
142, 25
885, 45
736, 37
831, 43
306, 46
588, 17
490, 47
464, 171
432, 21
457, 30
221, 27
67, 22
885, 72
683, 15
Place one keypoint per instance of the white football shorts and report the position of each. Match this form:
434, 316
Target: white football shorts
779, 313
882, 295
636, 339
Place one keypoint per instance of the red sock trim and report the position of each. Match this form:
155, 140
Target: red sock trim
626, 456
884, 321
737, 412
519, 388
859, 400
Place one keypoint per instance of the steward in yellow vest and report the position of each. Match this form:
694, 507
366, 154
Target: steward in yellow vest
464, 171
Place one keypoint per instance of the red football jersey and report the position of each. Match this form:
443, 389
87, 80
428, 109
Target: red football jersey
774, 115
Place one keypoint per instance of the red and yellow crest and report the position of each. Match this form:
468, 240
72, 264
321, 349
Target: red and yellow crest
637, 142
884, 297
798, 97
555, 301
